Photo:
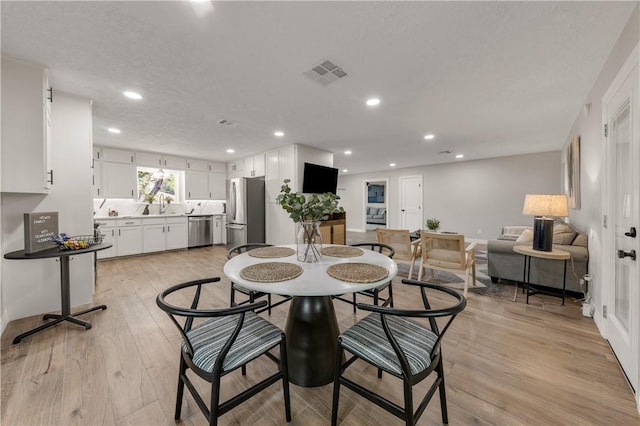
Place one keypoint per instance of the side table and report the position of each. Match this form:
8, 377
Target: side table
65, 314
528, 252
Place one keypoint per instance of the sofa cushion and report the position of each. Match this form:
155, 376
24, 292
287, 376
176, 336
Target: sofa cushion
581, 240
525, 237
563, 234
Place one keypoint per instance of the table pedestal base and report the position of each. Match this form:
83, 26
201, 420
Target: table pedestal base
312, 340
58, 319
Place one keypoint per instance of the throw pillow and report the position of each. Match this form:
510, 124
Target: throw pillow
581, 240
525, 237
563, 234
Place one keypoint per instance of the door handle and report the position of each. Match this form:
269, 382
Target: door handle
622, 254
402, 210
631, 233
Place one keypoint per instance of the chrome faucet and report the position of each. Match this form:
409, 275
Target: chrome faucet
163, 207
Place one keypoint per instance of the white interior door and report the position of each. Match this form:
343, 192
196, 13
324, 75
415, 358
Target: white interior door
621, 115
411, 202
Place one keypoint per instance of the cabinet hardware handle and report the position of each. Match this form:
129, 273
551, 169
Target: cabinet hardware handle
50, 172
50, 97
622, 254
163, 229
132, 192
98, 191
132, 158
93, 180
113, 233
93, 165
168, 228
98, 155
189, 194
128, 223
631, 233
159, 161
118, 232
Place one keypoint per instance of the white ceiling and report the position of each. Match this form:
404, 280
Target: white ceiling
487, 78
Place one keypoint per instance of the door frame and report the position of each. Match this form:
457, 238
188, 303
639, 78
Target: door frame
365, 199
607, 275
421, 177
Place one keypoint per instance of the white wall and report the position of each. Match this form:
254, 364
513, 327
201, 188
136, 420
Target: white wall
589, 127
31, 287
466, 196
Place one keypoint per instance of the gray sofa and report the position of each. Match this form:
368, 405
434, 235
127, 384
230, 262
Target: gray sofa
504, 263
377, 215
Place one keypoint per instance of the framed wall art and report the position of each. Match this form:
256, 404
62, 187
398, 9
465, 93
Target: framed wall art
573, 173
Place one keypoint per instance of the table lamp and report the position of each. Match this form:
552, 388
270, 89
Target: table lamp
544, 207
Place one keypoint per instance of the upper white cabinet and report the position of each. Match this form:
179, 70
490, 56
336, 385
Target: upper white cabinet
97, 179
26, 128
234, 168
196, 185
119, 175
200, 165
152, 159
118, 156
254, 166
217, 186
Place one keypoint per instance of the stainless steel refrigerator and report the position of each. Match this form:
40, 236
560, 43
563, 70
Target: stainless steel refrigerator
245, 211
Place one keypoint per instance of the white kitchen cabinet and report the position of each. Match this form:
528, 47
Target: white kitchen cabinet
217, 186
119, 180
148, 159
217, 167
174, 163
196, 185
118, 156
201, 165
109, 232
177, 233
26, 128
129, 237
153, 235
97, 153
254, 166
234, 168
97, 179
218, 229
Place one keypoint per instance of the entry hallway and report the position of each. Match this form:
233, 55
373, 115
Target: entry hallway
505, 363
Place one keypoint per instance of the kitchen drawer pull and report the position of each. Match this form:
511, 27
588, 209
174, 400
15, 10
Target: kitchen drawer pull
129, 223
50, 173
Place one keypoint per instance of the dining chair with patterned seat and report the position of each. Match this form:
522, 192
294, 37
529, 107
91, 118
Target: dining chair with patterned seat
406, 251
219, 342
448, 253
398, 342
252, 295
374, 293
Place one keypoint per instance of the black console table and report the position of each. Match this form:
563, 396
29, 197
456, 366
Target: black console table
65, 314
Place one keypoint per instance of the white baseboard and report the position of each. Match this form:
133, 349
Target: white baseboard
356, 230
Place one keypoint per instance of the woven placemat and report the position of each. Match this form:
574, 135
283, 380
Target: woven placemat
271, 252
342, 251
271, 272
357, 272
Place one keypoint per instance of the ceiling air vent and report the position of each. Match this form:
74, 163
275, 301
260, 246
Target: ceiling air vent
325, 72
227, 123
445, 152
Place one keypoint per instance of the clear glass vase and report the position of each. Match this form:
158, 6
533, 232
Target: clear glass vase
309, 242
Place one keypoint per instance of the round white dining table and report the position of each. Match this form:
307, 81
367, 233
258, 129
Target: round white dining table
312, 328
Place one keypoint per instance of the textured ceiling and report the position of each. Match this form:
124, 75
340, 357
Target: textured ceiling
487, 78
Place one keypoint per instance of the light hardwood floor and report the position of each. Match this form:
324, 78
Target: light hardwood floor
505, 363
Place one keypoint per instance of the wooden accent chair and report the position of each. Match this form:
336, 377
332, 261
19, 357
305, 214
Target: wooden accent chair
253, 295
447, 252
221, 341
406, 251
393, 340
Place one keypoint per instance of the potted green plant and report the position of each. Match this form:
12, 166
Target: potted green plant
433, 224
308, 210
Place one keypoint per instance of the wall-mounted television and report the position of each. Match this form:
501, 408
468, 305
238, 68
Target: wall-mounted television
319, 179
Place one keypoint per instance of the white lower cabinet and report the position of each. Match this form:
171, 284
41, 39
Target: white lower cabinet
109, 232
129, 236
154, 235
177, 233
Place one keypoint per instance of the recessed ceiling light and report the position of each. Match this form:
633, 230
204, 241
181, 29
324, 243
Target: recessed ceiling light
459, 156
429, 136
133, 95
344, 170
373, 102
230, 151
278, 133
347, 152
113, 130
392, 164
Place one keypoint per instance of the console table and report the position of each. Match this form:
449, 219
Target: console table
65, 314
528, 253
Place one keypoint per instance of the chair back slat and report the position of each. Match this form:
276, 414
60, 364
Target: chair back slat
446, 250
399, 239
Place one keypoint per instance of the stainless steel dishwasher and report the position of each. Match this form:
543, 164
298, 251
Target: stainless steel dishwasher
200, 231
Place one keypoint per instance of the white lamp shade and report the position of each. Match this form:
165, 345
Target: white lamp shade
551, 205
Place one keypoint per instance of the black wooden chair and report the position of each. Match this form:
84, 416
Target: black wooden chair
252, 295
390, 340
227, 339
374, 293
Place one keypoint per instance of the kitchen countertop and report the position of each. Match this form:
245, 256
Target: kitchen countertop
155, 216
